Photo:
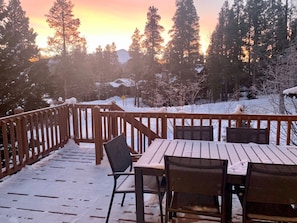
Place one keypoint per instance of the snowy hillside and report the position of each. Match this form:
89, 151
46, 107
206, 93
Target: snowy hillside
262, 105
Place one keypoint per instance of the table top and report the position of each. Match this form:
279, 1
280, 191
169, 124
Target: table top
237, 154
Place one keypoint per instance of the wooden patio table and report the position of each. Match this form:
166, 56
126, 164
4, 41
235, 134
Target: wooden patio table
237, 154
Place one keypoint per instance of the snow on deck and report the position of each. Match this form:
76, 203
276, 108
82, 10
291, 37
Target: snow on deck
67, 187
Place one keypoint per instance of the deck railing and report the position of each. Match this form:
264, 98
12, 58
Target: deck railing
27, 137
142, 128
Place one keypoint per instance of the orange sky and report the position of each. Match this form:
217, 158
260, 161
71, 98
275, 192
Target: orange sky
107, 21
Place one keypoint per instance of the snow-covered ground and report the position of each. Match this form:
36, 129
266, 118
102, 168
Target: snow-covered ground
261, 105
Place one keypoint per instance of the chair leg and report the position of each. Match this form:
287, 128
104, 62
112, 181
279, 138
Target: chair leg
109, 208
161, 207
123, 199
160, 194
166, 216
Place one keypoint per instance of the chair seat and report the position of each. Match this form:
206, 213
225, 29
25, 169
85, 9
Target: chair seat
126, 185
272, 212
149, 184
195, 203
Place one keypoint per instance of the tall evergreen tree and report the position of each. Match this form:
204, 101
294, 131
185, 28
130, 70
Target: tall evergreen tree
136, 55
185, 38
114, 62
153, 40
245, 42
217, 60
98, 64
152, 48
136, 62
111, 67
235, 31
17, 49
61, 19
66, 39
256, 44
277, 29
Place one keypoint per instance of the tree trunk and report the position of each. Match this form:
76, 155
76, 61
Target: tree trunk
281, 103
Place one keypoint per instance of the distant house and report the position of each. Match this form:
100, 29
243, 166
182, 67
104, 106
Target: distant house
118, 87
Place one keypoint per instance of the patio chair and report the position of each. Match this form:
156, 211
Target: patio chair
271, 193
193, 184
194, 132
119, 157
247, 135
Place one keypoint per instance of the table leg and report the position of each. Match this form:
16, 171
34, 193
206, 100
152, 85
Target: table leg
229, 203
139, 195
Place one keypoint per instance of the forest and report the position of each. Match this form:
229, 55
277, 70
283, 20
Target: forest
253, 47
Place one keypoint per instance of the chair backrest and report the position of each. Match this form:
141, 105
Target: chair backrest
247, 135
194, 132
118, 154
195, 175
271, 184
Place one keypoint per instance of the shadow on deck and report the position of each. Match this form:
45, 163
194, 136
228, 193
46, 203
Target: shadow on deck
67, 187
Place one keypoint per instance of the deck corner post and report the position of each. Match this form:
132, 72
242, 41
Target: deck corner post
98, 135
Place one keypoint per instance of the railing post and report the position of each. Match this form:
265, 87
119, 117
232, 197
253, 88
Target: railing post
75, 123
164, 126
63, 119
98, 134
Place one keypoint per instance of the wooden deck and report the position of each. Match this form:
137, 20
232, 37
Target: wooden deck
68, 187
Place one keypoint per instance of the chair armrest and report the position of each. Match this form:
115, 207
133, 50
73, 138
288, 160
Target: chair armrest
121, 174
135, 156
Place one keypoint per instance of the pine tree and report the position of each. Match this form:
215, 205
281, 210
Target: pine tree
247, 40
217, 59
40, 83
153, 40
136, 55
136, 62
114, 62
235, 31
110, 67
256, 44
135, 52
276, 32
185, 46
18, 48
66, 39
98, 64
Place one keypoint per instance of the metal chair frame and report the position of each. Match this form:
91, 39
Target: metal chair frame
247, 135
193, 184
194, 132
271, 193
121, 162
